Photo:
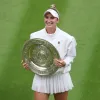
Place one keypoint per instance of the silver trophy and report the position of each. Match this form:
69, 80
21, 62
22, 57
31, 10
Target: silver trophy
39, 54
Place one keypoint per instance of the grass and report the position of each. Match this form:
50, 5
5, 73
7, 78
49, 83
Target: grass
18, 18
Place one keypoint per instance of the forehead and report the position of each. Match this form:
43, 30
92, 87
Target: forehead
48, 14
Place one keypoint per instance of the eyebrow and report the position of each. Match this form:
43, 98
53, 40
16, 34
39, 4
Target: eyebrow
48, 16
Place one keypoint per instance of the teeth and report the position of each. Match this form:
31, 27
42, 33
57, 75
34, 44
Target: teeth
49, 24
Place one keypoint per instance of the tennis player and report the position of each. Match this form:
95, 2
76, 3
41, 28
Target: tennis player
60, 82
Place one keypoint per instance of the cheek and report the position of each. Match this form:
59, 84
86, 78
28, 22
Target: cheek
45, 20
55, 21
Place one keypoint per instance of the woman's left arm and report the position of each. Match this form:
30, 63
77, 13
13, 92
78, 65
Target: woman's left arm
70, 55
71, 52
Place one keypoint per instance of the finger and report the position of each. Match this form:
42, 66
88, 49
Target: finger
57, 61
27, 68
22, 61
58, 64
25, 64
62, 62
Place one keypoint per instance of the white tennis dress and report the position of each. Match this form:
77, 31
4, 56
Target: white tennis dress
60, 81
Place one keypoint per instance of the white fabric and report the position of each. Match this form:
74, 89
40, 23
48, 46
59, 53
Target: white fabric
53, 12
66, 46
63, 42
52, 84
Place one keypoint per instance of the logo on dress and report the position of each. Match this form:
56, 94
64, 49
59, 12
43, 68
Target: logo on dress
58, 42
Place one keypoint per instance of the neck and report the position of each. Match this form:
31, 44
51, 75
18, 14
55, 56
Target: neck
50, 30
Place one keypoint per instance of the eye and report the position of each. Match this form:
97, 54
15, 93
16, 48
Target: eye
46, 17
52, 17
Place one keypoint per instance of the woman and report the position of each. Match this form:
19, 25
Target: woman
60, 82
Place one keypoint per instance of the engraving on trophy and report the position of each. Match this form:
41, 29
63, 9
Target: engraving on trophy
40, 56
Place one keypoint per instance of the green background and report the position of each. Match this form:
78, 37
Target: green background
19, 18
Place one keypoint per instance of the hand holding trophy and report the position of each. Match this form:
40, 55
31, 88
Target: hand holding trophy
38, 55
25, 65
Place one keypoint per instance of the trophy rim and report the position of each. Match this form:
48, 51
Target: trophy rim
34, 67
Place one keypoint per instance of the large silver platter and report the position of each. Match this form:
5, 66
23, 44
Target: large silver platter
39, 54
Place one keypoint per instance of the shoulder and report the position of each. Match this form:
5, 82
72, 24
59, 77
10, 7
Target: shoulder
65, 35
36, 34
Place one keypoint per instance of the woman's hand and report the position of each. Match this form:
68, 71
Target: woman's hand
25, 65
59, 62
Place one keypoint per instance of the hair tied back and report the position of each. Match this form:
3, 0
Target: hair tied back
53, 6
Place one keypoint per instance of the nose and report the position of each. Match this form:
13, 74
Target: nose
48, 20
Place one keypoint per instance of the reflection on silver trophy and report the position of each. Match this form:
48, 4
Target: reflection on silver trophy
39, 54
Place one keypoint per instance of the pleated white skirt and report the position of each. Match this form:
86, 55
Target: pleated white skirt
56, 83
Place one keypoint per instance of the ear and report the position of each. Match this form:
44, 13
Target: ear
57, 20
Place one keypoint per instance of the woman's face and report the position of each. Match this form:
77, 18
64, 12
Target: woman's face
50, 21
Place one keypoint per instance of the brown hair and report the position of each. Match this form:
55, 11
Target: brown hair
53, 6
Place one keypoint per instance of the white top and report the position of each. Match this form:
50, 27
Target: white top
63, 42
